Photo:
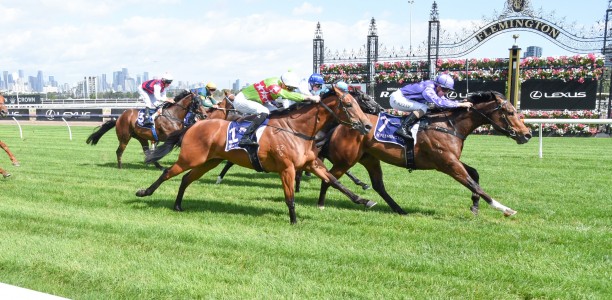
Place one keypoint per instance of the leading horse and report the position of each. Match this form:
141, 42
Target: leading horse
171, 120
286, 145
4, 113
438, 146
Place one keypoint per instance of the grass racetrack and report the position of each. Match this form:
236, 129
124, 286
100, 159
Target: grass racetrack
70, 225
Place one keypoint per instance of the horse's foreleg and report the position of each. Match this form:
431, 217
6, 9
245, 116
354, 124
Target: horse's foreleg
475, 197
287, 177
356, 180
320, 171
374, 169
459, 173
10, 154
4, 173
298, 180
226, 168
192, 176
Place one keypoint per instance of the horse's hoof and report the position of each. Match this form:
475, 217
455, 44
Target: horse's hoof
141, 193
219, 179
509, 213
16, 164
321, 207
7, 175
365, 187
370, 204
474, 210
178, 208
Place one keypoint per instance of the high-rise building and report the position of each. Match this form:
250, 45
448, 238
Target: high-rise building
90, 87
533, 51
236, 85
6, 82
145, 76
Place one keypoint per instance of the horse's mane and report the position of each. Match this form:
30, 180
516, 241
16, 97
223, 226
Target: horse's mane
484, 96
366, 103
181, 95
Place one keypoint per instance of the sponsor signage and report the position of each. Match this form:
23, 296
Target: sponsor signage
19, 114
23, 99
558, 94
94, 114
383, 90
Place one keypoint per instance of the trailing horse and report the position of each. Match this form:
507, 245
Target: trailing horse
286, 145
171, 119
4, 113
438, 146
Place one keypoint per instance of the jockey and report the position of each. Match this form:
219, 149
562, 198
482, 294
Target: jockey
153, 93
206, 95
311, 87
416, 96
257, 98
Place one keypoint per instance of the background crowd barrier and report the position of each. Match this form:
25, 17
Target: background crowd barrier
541, 123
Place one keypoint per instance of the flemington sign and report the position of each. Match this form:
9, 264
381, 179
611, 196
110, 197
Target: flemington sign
541, 26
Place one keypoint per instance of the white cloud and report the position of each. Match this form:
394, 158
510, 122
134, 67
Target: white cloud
307, 9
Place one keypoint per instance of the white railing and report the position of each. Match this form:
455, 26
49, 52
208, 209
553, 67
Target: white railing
563, 121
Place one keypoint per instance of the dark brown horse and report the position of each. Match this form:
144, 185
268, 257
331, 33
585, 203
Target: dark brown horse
170, 120
286, 145
4, 113
438, 147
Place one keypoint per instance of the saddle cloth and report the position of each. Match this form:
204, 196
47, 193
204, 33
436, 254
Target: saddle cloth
387, 125
236, 130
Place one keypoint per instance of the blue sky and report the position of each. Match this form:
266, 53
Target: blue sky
225, 40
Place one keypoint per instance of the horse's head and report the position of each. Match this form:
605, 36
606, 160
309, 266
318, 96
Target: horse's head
501, 114
3, 108
345, 109
366, 103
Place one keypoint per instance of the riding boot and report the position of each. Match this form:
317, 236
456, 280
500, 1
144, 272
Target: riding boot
246, 137
404, 129
147, 117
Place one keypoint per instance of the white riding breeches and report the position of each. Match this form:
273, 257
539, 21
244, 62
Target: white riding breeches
401, 103
148, 99
246, 106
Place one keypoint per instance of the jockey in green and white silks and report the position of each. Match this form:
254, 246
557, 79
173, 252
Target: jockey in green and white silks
258, 98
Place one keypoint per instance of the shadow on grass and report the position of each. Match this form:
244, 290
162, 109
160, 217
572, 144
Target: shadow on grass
128, 166
200, 205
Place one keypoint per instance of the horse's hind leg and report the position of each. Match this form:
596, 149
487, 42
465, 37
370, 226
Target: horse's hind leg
175, 169
475, 197
192, 176
356, 180
4, 173
144, 144
226, 168
10, 154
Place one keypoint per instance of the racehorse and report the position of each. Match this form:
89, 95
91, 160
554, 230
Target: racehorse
286, 145
438, 146
171, 119
365, 103
4, 113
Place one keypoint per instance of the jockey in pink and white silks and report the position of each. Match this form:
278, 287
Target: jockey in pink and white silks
153, 93
416, 96
257, 99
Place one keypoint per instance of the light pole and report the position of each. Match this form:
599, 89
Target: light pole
410, 28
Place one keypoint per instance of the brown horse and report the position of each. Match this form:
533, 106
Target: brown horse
286, 145
4, 113
171, 119
439, 145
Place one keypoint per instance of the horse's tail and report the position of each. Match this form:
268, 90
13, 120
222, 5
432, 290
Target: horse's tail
101, 130
173, 141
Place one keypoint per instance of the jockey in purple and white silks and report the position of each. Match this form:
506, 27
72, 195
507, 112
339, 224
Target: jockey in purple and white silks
415, 97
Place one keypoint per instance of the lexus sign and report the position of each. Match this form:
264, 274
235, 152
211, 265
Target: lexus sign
558, 94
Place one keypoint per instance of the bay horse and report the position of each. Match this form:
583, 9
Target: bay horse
3, 113
439, 145
286, 145
170, 120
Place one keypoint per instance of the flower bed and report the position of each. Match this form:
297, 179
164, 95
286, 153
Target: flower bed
577, 67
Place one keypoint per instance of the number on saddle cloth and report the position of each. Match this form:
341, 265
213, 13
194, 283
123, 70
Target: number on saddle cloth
386, 126
236, 130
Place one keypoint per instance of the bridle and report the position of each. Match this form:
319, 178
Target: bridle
509, 130
345, 107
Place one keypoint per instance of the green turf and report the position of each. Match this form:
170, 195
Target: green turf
70, 225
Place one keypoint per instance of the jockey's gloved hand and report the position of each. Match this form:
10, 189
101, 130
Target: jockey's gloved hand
314, 99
